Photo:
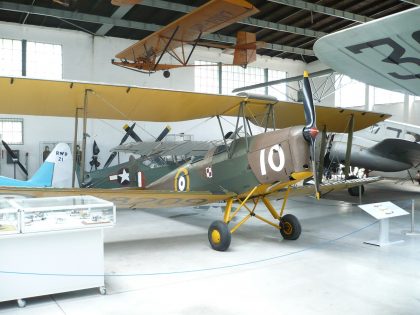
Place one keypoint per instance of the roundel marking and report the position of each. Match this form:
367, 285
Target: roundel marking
182, 180
270, 159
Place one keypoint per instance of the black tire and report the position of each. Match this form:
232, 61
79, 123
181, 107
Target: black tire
166, 74
290, 227
219, 236
354, 191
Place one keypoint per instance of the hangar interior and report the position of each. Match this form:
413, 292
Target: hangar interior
158, 261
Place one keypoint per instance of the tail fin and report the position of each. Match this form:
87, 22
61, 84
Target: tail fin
56, 171
245, 48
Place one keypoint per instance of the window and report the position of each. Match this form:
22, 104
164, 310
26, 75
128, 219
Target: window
280, 90
43, 61
10, 57
234, 77
349, 93
11, 130
206, 78
382, 96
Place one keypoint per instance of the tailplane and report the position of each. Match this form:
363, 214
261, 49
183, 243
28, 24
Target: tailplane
56, 171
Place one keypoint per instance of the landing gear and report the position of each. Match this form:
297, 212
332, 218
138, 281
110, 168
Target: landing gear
290, 227
220, 233
354, 191
219, 236
166, 74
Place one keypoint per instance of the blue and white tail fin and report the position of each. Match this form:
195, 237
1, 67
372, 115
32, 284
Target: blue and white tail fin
56, 171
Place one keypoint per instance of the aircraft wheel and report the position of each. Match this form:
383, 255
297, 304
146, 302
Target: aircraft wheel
166, 74
290, 227
354, 191
219, 236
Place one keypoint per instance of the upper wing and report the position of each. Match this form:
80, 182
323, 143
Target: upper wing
207, 18
399, 149
164, 148
61, 98
383, 53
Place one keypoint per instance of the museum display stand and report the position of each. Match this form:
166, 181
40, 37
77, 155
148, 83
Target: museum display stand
383, 211
52, 245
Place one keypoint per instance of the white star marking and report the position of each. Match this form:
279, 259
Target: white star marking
124, 176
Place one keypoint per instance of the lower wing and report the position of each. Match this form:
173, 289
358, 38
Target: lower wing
325, 188
124, 197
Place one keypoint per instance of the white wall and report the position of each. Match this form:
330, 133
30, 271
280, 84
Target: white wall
88, 58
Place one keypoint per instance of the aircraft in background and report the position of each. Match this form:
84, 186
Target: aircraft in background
383, 53
247, 171
56, 171
146, 55
387, 146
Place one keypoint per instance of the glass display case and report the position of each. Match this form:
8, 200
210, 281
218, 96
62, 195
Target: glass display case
64, 213
54, 214
9, 218
61, 235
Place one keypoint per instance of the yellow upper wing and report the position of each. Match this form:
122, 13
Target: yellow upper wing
61, 98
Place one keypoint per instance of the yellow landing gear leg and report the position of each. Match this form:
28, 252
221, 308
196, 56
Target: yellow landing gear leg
220, 235
289, 225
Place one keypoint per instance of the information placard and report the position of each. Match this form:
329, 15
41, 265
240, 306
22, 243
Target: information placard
383, 210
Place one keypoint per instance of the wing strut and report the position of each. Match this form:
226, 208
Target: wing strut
322, 154
166, 47
193, 47
223, 133
348, 149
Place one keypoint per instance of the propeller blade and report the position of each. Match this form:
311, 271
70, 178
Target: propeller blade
129, 131
163, 133
14, 157
110, 159
310, 131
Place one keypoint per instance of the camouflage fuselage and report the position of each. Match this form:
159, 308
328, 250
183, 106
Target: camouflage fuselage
272, 157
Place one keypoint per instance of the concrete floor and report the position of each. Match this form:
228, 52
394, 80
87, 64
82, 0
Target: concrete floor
160, 262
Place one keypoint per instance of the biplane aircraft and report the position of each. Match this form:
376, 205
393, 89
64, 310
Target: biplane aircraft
146, 55
248, 171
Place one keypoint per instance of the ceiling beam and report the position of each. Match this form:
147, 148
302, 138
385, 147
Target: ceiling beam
119, 13
90, 18
324, 10
415, 2
166, 5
